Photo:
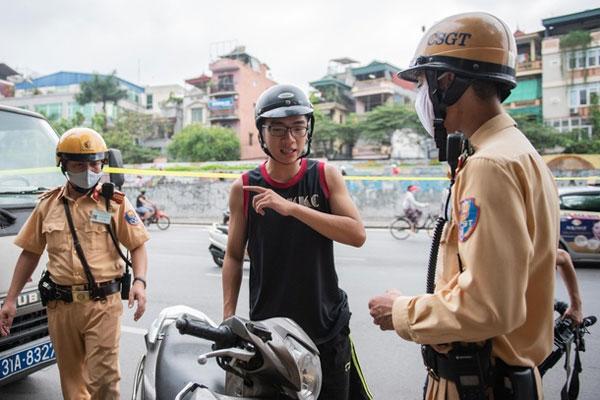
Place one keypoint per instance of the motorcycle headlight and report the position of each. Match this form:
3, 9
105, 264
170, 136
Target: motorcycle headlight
309, 367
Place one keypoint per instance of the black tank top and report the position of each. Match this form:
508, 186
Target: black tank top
292, 271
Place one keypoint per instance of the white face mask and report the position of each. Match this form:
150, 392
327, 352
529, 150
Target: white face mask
424, 108
85, 180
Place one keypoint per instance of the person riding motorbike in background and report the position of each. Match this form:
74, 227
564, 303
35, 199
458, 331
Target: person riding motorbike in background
143, 206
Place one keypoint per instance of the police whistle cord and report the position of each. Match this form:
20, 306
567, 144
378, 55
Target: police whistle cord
567, 334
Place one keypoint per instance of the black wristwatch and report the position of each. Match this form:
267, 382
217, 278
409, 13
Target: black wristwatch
141, 280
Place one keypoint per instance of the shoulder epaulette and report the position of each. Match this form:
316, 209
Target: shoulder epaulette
49, 193
117, 196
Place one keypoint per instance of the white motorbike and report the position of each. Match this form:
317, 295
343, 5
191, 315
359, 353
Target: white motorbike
217, 238
189, 357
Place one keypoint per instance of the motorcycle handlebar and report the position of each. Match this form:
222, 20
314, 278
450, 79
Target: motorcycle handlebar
589, 321
560, 307
200, 329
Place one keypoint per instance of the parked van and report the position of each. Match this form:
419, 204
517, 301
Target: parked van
27, 169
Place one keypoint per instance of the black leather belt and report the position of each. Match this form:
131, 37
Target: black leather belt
508, 382
81, 293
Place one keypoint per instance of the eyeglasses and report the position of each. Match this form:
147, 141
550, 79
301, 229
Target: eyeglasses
280, 131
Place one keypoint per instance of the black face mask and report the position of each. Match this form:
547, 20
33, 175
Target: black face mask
441, 100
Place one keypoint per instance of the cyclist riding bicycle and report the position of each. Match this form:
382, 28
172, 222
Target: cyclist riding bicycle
412, 207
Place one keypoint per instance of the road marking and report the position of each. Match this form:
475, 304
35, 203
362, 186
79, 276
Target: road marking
135, 331
214, 275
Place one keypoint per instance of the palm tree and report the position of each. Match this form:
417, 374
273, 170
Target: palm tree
101, 89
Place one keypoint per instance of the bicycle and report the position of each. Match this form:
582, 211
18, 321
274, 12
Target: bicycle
401, 227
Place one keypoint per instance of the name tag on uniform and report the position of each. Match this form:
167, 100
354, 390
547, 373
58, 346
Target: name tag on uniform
101, 217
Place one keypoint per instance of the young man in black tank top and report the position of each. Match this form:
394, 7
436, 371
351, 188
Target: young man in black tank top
289, 211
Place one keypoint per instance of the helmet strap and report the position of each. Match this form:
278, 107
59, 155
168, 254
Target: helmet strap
441, 100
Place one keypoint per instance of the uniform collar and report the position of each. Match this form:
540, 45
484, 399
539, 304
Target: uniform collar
94, 195
490, 127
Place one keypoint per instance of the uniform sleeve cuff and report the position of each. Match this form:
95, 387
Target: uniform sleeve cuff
400, 317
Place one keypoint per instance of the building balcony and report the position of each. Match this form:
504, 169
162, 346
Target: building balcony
373, 86
529, 67
220, 89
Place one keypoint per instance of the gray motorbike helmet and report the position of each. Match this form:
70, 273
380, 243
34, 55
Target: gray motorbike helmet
281, 101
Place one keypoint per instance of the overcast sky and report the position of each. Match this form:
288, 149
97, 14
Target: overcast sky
161, 42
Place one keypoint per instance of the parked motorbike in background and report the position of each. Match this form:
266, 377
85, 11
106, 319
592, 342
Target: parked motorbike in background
217, 238
189, 357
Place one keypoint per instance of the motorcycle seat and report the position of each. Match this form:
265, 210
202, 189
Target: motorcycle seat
177, 365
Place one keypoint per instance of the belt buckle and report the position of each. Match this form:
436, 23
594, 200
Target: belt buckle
80, 295
432, 374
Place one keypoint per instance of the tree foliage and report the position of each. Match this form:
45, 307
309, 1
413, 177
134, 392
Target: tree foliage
541, 136
380, 124
62, 125
199, 143
101, 89
132, 153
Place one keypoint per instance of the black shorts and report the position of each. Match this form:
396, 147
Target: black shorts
336, 358
342, 375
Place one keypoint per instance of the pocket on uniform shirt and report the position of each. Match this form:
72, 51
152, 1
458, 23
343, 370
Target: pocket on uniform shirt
97, 238
56, 236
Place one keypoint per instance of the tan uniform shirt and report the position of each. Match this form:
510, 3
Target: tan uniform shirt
48, 226
504, 231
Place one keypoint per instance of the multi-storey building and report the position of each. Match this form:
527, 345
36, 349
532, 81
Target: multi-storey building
334, 90
349, 88
54, 96
237, 80
571, 69
377, 84
526, 98
195, 101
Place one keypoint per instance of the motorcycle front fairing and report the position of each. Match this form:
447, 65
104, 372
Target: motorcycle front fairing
171, 358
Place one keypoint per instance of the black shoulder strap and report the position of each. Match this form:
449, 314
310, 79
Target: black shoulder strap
114, 238
80, 254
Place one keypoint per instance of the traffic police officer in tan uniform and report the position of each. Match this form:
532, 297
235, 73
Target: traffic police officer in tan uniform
489, 321
84, 324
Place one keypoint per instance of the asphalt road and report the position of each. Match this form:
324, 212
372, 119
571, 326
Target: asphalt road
182, 272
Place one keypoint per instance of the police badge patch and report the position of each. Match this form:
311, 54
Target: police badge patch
131, 217
468, 218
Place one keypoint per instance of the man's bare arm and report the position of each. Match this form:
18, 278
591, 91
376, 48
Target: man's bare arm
566, 269
234, 255
343, 225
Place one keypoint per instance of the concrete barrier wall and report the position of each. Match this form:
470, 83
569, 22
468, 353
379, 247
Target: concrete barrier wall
195, 200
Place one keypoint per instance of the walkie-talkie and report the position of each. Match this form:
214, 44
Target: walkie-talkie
454, 147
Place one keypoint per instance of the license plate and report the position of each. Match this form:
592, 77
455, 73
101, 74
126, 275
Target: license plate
26, 359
